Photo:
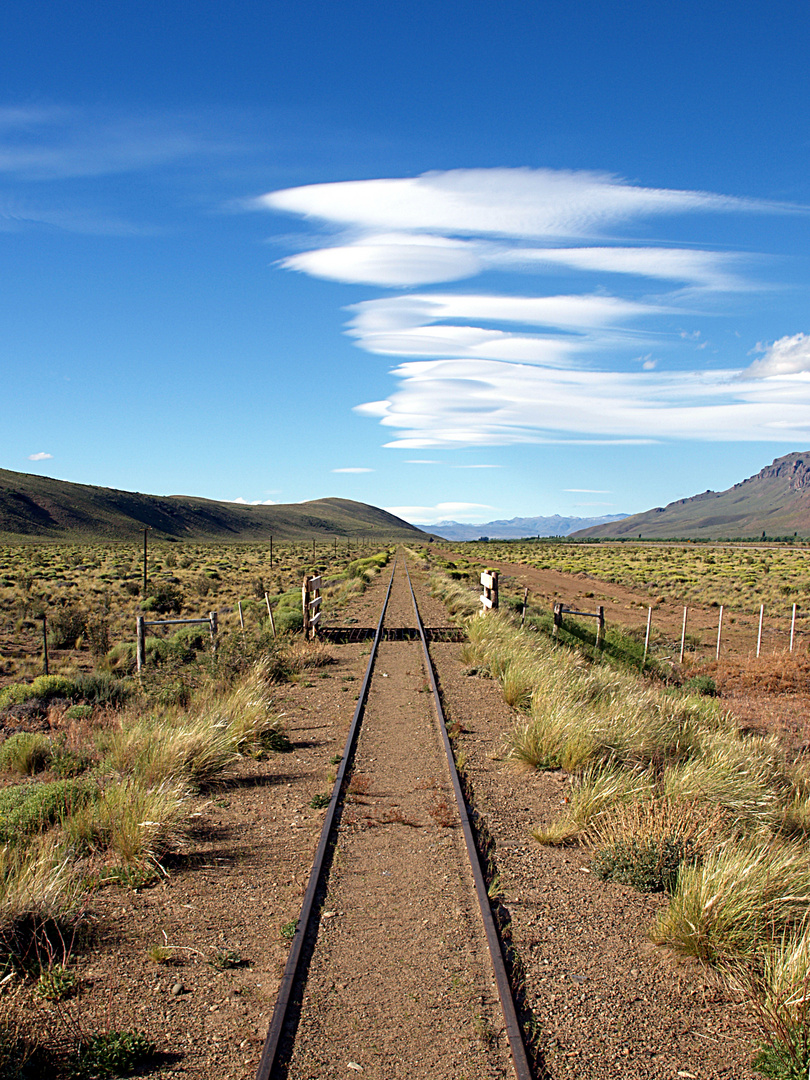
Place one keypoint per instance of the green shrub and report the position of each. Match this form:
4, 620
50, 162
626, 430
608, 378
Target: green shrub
646, 864
43, 687
79, 712
65, 627
701, 684
113, 1053
26, 753
32, 807
191, 639
99, 688
56, 983
786, 1060
164, 597
288, 620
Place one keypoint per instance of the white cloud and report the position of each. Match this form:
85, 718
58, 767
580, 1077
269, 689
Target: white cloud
352, 469
787, 356
423, 515
408, 259
394, 259
254, 502
41, 456
407, 325
454, 403
500, 202
711, 269
493, 368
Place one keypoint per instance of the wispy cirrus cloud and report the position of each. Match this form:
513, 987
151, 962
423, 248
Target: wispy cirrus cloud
352, 469
46, 143
545, 365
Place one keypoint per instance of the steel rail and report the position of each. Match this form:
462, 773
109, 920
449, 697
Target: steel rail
514, 1032
275, 1031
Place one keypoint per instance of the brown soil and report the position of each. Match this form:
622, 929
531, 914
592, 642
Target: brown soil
420, 1001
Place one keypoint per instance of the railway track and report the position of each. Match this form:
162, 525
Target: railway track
396, 968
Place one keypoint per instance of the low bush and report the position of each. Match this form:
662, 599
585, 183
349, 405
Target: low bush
44, 687
163, 597
65, 627
26, 753
113, 1053
646, 864
33, 807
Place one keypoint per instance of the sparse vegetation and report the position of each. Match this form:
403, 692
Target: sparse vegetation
669, 795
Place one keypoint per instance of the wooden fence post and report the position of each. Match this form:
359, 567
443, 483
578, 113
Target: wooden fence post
241, 616
140, 644
270, 614
213, 623
45, 641
600, 628
489, 583
523, 612
311, 604
558, 620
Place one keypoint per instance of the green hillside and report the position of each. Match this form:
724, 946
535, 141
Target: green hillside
775, 502
39, 508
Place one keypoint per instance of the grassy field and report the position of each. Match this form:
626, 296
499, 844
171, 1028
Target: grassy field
92, 594
739, 576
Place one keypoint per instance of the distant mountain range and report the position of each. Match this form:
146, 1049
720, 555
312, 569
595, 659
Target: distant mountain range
37, 507
518, 527
775, 502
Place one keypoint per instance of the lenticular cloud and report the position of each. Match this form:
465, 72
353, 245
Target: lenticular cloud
521, 203
581, 359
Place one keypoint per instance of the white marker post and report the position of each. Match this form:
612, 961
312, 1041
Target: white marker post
683, 634
792, 627
719, 632
759, 635
647, 635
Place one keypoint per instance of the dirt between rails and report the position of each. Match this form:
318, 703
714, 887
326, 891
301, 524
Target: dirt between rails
605, 1001
400, 983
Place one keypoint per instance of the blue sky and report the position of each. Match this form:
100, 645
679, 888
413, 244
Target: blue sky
461, 260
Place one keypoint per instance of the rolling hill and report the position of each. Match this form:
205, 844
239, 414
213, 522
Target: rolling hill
775, 502
39, 508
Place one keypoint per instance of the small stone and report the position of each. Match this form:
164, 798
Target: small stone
177, 989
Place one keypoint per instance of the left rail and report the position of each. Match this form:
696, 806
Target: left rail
276, 1029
